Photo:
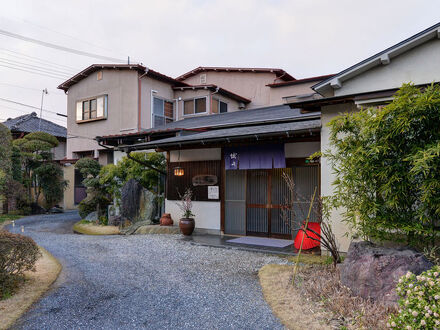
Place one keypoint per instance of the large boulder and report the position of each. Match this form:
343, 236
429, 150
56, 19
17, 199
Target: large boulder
137, 203
372, 271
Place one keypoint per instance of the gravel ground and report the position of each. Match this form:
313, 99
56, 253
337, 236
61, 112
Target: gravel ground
145, 281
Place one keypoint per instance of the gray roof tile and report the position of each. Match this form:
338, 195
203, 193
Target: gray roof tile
30, 123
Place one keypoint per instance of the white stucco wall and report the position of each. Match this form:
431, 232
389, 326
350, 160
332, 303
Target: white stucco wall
419, 66
327, 177
207, 214
301, 149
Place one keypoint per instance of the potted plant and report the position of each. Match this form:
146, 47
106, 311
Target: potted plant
186, 224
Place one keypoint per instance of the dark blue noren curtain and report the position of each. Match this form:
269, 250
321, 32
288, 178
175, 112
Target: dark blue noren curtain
255, 157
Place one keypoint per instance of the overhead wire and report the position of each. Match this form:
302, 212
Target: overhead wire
27, 105
38, 73
58, 47
37, 59
35, 67
58, 120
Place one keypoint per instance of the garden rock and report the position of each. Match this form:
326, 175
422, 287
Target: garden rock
137, 203
372, 271
93, 216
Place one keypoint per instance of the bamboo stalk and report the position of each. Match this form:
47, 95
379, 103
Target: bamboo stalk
295, 269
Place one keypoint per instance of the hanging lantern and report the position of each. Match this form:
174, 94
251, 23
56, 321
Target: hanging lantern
178, 171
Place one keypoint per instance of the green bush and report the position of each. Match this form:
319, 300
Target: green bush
18, 254
387, 167
419, 301
86, 207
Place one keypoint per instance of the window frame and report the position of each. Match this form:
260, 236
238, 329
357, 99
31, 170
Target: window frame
219, 101
163, 110
89, 101
194, 106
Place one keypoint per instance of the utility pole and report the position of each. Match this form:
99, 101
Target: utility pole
41, 108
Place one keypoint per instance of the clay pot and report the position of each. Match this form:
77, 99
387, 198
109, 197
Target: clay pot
186, 226
166, 220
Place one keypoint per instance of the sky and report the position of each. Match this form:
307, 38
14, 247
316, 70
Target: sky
304, 37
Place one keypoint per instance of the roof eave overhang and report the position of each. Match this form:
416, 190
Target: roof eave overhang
208, 141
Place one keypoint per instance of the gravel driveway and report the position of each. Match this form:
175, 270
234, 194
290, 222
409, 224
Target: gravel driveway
145, 281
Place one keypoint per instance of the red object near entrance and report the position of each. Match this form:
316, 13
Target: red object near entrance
308, 242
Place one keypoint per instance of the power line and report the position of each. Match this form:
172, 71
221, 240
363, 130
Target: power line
60, 121
37, 59
52, 92
35, 67
58, 47
17, 19
27, 105
41, 74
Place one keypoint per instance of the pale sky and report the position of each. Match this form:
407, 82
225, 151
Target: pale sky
304, 37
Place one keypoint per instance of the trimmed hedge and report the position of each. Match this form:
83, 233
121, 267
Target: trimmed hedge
18, 254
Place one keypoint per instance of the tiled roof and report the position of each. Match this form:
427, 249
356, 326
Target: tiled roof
31, 123
236, 133
280, 73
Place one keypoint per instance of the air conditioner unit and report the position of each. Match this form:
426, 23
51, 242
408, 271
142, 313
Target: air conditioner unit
241, 105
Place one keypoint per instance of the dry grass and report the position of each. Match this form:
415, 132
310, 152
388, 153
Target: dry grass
318, 286
293, 309
37, 283
323, 284
93, 229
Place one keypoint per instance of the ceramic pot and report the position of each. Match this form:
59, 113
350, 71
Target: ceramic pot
186, 226
166, 220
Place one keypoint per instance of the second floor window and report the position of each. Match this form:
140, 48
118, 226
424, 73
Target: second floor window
94, 108
219, 106
163, 112
194, 106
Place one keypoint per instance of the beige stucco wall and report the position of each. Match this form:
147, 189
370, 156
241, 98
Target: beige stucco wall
121, 86
69, 175
327, 177
277, 93
419, 66
246, 84
59, 152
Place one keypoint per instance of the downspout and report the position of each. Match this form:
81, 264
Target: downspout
140, 99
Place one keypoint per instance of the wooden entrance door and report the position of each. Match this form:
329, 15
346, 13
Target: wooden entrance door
266, 195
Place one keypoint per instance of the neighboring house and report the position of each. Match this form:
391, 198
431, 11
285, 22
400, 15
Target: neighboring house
234, 161
22, 125
262, 86
128, 100
372, 82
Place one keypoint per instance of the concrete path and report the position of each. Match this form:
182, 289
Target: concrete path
144, 281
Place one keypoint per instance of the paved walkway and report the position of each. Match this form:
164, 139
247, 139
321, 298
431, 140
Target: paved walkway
151, 281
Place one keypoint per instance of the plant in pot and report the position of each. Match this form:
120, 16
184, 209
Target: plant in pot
186, 223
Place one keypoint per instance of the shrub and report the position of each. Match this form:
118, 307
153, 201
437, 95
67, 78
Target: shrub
18, 254
86, 207
387, 167
419, 301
